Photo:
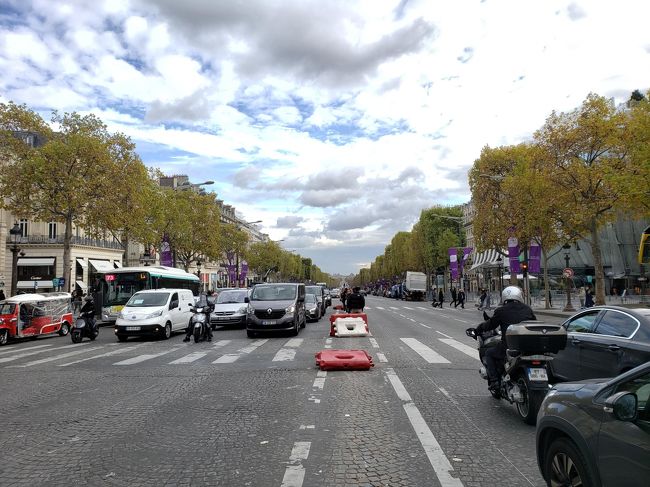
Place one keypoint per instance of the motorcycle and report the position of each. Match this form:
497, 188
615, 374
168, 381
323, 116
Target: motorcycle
523, 377
84, 326
200, 323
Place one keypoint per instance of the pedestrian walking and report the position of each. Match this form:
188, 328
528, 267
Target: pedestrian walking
441, 297
550, 298
581, 295
461, 298
2, 295
76, 301
454, 297
482, 298
589, 297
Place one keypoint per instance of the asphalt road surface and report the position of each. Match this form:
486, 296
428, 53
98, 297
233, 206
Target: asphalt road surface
258, 412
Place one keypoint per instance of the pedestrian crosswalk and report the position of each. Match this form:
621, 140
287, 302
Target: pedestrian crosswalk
224, 353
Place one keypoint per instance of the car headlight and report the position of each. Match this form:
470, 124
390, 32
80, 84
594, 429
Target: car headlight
290, 309
243, 310
312, 310
154, 315
250, 310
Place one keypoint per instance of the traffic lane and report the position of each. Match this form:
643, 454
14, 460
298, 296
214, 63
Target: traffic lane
456, 386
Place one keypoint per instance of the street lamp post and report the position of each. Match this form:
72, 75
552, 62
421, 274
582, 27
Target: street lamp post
569, 306
500, 265
15, 233
198, 273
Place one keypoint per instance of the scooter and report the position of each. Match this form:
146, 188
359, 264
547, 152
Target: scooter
524, 375
84, 326
200, 323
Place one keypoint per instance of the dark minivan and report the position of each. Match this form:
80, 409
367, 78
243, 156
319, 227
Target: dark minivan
276, 307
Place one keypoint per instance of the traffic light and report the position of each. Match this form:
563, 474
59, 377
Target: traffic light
524, 268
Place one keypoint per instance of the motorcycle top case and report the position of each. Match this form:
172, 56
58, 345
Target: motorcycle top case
536, 337
344, 360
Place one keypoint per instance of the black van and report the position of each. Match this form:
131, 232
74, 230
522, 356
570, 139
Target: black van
276, 307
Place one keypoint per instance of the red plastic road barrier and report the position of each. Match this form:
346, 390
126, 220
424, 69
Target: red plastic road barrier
339, 307
344, 360
336, 316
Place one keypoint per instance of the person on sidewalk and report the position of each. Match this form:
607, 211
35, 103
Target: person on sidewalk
461, 298
441, 297
581, 296
454, 297
589, 297
482, 298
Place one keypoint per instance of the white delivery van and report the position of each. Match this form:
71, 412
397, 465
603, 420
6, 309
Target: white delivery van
156, 313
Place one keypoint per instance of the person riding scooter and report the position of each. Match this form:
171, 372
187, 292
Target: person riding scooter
512, 312
204, 302
355, 301
88, 309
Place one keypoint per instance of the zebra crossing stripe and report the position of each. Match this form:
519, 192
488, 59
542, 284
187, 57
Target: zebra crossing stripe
232, 357
27, 354
107, 354
188, 359
467, 350
57, 357
145, 357
425, 352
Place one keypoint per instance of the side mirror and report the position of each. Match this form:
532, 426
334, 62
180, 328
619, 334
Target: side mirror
247, 300
623, 405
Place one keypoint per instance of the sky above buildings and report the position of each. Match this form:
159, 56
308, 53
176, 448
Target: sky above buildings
333, 122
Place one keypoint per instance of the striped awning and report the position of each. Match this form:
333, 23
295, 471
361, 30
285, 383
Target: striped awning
487, 258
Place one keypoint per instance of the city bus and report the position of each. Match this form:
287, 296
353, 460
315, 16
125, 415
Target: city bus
115, 287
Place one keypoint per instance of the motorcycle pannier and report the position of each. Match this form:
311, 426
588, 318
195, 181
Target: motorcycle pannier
536, 337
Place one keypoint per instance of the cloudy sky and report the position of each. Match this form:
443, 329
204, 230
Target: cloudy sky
333, 121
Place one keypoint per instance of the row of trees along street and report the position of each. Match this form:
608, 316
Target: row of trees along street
81, 175
581, 170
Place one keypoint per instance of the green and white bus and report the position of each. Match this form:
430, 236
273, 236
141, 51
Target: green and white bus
115, 287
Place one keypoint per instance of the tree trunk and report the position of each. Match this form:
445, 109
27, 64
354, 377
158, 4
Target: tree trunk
67, 241
598, 263
125, 255
546, 286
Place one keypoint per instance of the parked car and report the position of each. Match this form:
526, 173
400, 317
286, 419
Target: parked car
276, 307
603, 341
312, 308
597, 432
155, 312
230, 308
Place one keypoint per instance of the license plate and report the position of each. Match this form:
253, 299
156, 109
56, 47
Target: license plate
537, 374
132, 328
223, 317
269, 322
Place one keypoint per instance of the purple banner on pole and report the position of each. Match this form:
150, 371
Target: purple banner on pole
231, 273
513, 254
534, 257
166, 252
466, 252
453, 260
244, 271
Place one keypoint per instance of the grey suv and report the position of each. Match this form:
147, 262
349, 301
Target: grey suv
276, 307
596, 433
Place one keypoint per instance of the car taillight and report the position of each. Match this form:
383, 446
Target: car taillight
536, 362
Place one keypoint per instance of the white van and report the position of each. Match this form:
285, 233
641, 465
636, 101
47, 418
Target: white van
155, 312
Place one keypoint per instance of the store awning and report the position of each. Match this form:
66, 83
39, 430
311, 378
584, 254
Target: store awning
36, 261
118, 265
101, 265
81, 284
30, 284
519, 276
82, 263
487, 259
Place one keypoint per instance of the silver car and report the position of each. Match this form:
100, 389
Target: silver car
230, 308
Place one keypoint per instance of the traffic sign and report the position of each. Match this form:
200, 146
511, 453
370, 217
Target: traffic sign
61, 281
55, 282
567, 272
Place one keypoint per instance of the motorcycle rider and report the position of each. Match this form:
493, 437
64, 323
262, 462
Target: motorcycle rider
204, 302
355, 301
513, 311
89, 308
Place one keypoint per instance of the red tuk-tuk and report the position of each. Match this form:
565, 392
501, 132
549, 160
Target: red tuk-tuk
31, 315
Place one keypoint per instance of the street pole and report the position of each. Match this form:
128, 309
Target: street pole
569, 305
15, 233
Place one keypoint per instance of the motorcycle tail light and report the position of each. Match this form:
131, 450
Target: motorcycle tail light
536, 362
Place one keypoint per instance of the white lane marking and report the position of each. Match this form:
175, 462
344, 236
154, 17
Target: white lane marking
221, 343
441, 465
294, 342
422, 307
379, 307
406, 307
425, 352
444, 316
107, 354
426, 326
447, 395
466, 349
366, 308
382, 358
307, 427
145, 357
57, 357
294, 475
319, 383
447, 336
285, 355
188, 359
232, 357
27, 354
373, 342
393, 307
328, 343
412, 320
462, 321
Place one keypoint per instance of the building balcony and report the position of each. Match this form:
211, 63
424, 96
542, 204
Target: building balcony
80, 241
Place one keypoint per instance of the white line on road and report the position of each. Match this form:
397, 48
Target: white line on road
425, 352
462, 321
232, 357
188, 359
145, 357
294, 475
406, 307
422, 307
27, 354
6, 349
319, 382
57, 357
373, 342
443, 334
412, 320
382, 358
379, 307
328, 343
426, 326
366, 308
393, 307
221, 343
107, 354
436, 456
466, 349
285, 355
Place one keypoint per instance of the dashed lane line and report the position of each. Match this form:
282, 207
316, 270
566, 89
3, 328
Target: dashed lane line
319, 382
425, 352
393, 307
374, 343
422, 307
446, 336
379, 307
294, 475
289, 353
426, 326
439, 461
382, 358
462, 321
406, 307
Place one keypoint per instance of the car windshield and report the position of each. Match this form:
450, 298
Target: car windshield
231, 297
147, 299
313, 290
274, 293
7, 308
310, 299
